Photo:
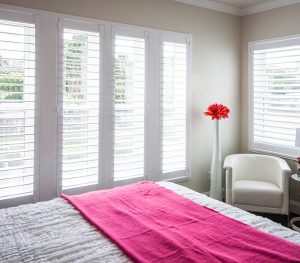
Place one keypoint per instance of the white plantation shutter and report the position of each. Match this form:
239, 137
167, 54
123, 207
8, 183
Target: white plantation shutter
129, 53
275, 95
18, 166
174, 106
113, 109
79, 100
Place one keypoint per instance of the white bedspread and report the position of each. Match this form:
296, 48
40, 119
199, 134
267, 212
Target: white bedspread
54, 231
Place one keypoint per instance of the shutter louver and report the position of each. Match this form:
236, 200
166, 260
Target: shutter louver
276, 95
99, 107
17, 109
129, 93
80, 113
275, 100
173, 107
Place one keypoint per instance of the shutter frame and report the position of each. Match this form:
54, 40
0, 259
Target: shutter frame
263, 98
10, 17
177, 38
68, 25
139, 35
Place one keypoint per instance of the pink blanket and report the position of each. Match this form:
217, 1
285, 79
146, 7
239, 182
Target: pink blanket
153, 224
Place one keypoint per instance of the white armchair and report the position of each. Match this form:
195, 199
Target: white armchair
257, 183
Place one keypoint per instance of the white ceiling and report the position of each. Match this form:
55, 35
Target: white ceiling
241, 3
240, 7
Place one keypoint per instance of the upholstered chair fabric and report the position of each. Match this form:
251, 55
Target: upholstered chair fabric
258, 183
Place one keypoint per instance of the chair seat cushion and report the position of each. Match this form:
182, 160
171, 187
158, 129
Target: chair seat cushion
256, 193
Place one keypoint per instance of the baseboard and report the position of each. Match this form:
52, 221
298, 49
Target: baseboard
295, 207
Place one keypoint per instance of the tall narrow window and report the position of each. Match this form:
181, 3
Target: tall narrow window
80, 113
17, 109
129, 93
174, 108
275, 102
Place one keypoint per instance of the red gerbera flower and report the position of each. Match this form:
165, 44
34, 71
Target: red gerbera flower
298, 160
217, 111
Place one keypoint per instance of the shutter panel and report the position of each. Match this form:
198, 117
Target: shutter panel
17, 109
80, 107
173, 104
276, 96
129, 104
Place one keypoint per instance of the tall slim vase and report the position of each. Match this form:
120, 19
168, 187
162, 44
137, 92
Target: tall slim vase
216, 165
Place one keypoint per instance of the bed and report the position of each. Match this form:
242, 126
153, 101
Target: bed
54, 231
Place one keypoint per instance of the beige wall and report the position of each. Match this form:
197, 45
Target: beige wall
219, 45
275, 23
216, 60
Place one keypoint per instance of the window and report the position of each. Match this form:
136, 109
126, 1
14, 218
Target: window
129, 105
174, 101
88, 104
17, 108
125, 110
275, 96
80, 106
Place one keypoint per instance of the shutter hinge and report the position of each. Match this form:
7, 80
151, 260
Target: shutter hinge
59, 24
188, 42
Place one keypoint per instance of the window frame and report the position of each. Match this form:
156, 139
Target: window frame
277, 150
63, 23
47, 181
137, 33
14, 16
180, 175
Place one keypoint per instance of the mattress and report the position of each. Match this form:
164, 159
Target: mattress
54, 231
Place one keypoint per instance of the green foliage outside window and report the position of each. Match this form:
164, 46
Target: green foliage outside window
120, 79
11, 80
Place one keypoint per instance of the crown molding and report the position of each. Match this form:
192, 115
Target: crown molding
209, 4
266, 6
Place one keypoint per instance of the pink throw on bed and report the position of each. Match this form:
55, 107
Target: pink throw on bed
153, 224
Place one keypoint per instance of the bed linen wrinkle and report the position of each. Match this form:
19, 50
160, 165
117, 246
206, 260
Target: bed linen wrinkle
54, 231
66, 236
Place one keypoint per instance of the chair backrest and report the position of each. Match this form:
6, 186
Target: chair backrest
256, 167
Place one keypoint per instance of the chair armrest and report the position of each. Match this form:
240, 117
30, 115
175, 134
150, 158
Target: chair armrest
228, 162
286, 171
228, 178
284, 166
